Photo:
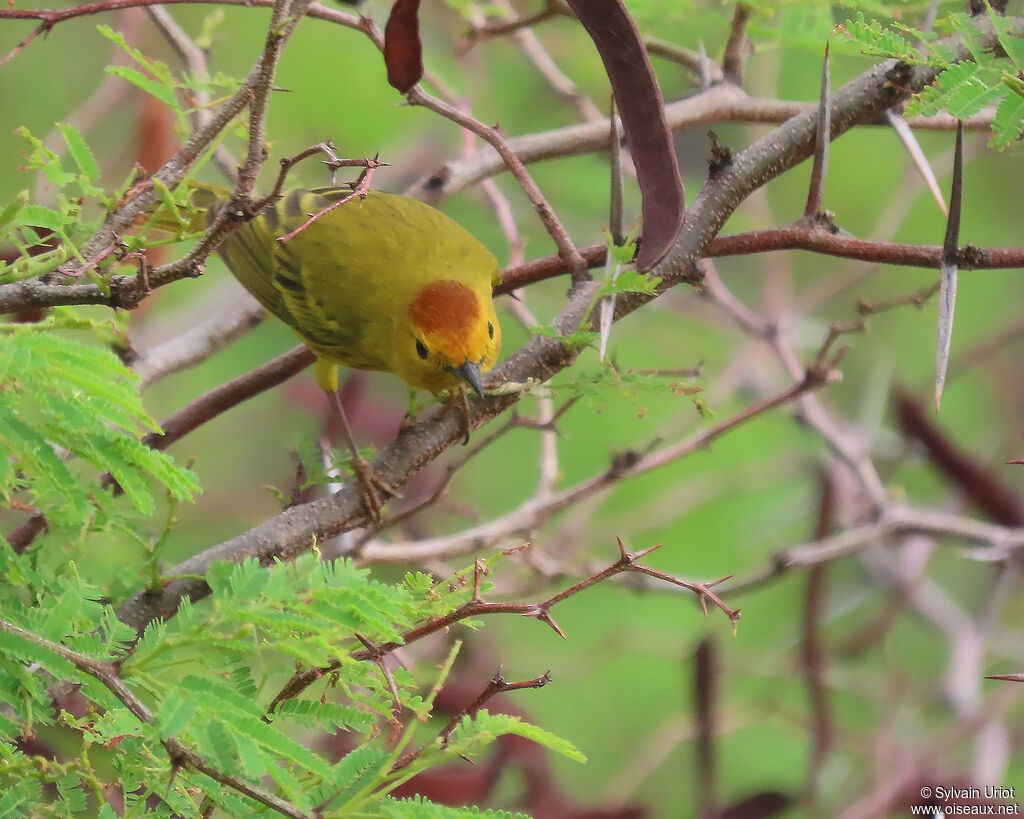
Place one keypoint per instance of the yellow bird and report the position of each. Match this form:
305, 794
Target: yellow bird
380, 283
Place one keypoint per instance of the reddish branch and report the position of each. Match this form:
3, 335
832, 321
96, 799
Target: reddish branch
478, 607
35, 294
812, 652
222, 398
705, 690
998, 501
497, 685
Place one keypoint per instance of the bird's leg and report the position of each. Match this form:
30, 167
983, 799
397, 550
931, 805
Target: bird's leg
410, 417
367, 481
459, 399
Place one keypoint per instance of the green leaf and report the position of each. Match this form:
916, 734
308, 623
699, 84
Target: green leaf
41, 216
80, 151
574, 341
12, 210
876, 40
44, 471
139, 80
69, 788
1008, 121
417, 807
630, 281
279, 745
325, 715
351, 772
484, 728
174, 713
960, 89
217, 692
220, 745
19, 794
55, 390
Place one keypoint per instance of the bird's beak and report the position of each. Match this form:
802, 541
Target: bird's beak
469, 372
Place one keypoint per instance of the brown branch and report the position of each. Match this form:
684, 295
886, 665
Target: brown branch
798, 237
995, 498
33, 293
42, 28
277, 36
497, 685
477, 607
359, 190
234, 392
564, 87
201, 339
999, 541
333, 162
812, 651
736, 48
502, 28
376, 656
695, 62
705, 691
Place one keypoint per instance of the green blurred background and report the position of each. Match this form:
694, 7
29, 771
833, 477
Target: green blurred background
623, 680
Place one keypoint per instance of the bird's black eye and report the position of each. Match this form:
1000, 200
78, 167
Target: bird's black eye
421, 349
490, 329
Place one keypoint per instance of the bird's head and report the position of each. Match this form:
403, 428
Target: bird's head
455, 337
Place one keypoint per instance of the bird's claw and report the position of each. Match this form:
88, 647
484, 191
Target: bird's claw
369, 483
458, 400
408, 421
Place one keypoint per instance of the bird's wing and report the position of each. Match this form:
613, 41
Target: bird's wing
316, 276
249, 254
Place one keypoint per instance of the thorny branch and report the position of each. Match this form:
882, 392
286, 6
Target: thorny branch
477, 607
815, 238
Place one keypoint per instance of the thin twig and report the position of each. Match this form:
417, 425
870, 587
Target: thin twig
736, 47
566, 249
360, 188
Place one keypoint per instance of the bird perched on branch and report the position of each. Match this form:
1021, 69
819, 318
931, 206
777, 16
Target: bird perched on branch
380, 282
